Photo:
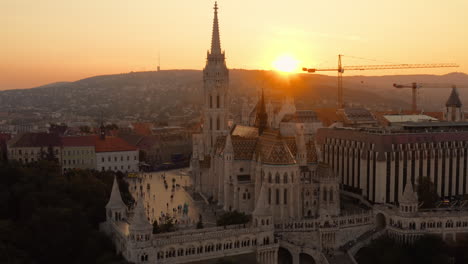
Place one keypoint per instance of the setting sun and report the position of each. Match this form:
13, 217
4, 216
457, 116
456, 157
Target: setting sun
286, 63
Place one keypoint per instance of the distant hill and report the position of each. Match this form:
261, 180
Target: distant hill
147, 93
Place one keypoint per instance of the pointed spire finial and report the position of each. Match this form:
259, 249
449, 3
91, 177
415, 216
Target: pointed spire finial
215, 40
115, 200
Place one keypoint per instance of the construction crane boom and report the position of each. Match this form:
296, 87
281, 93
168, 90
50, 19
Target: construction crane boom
414, 86
341, 69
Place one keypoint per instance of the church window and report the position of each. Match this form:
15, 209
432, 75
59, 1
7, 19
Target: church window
269, 195
285, 199
217, 101
217, 123
211, 123
277, 178
269, 177
324, 194
211, 101
331, 196
277, 196
285, 178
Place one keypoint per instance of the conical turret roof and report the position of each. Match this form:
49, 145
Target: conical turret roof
409, 195
454, 99
262, 208
139, 221
115, 200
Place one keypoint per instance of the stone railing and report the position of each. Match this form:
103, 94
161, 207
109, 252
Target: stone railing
196, 235
317, 223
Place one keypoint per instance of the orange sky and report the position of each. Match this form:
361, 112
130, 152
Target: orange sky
55, 40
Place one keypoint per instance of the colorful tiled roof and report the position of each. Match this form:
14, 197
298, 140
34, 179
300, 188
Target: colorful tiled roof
273, 149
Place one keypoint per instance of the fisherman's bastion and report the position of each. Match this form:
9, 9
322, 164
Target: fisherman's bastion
282, 176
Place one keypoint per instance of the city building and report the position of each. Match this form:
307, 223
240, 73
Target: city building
78, 152
115, 154
31, 147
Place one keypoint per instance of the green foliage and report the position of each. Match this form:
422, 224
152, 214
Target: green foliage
428, 250
85, 129
427, 193
167, 226
200, 222
232, 218
156, 229
46, 217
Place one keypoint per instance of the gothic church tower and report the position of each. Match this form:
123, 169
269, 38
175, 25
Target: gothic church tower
216, 84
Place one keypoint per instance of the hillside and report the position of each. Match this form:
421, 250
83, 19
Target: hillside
146, 93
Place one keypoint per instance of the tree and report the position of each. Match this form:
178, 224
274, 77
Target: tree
200, 222
232, 218
156, 229
427, 193
46, 216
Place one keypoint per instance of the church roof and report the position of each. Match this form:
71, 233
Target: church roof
454, 99
139, 221
262, 207
115, 200
409, 195
245, 131
273, 149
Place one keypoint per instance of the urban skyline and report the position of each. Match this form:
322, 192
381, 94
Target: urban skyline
53, 41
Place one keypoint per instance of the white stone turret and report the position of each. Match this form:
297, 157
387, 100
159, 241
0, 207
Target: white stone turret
140, 228
409, 200
262, 215
116, 208
454, 112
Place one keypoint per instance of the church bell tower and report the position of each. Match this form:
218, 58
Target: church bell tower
216, 84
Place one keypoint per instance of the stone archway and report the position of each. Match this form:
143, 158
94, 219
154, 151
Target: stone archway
284, 256
380, 221
306, 259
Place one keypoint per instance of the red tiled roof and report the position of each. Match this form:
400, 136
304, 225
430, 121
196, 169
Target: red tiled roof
112, 144
78, 141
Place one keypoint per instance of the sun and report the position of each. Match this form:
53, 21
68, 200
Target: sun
286, 63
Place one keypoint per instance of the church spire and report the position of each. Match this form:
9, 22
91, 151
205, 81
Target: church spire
261, 120
215, 40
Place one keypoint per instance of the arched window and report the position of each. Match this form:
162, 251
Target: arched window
269, 177
331, 195
269, 195
211, 101
324, 194
285, 178
277, 178
285, 198
277, 196
217, 101
217, 123
211, 123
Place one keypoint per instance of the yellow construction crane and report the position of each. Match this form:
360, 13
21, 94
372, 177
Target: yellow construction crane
415, 86
341, 69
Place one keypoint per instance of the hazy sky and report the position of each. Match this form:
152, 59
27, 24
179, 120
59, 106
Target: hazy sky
43, 41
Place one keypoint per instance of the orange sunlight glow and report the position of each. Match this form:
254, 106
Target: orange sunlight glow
286, 63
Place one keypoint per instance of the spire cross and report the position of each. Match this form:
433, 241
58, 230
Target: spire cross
216, 6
